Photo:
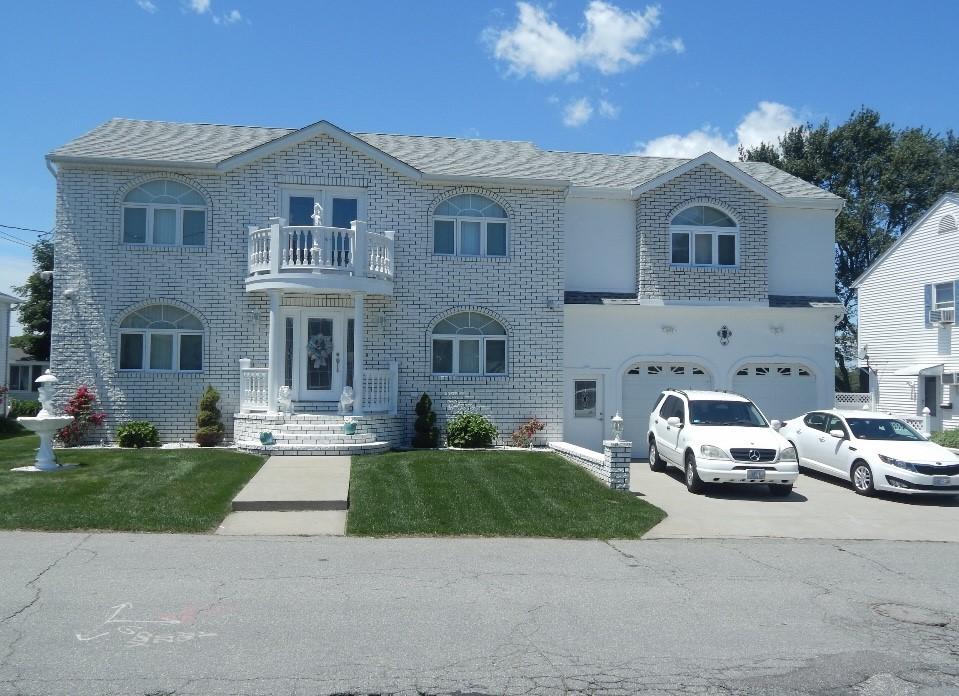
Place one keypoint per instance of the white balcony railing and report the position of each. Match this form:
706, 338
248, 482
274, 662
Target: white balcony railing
380, 390
254, 391
282, 248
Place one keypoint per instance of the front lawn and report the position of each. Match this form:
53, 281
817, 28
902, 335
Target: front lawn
150, 490
489, 493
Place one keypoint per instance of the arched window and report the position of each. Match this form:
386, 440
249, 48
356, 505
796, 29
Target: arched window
703, 236
469, 343
469, 225
164, 212
161, 338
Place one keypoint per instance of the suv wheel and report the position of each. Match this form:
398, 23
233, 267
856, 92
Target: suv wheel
656, 463
694, 484
862, 479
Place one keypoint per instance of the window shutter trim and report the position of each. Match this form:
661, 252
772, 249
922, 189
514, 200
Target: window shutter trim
927, 306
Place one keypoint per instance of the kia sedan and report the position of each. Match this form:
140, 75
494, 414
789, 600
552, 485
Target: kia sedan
874, 451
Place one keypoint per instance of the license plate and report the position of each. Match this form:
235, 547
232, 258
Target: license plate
755, 474
940, 480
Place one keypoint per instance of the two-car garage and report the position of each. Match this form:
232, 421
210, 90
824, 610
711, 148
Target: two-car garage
781, 390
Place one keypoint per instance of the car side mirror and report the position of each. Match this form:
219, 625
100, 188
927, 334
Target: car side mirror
838, 434
777, 425
674, 421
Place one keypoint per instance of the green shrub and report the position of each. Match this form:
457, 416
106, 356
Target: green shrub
209, 420
470, 430
138, 434
949, 438
427, 434
8, 426
23, 408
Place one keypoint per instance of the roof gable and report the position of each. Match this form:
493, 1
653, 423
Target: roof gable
948, 196
715, 161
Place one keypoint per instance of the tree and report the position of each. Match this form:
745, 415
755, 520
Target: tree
888, 178
36, 312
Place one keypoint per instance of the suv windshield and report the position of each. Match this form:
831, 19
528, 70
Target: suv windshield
741, 413
882, 429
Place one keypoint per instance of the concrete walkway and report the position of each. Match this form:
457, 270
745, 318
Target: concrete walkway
302, 495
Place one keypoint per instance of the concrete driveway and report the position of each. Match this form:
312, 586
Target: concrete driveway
820, 507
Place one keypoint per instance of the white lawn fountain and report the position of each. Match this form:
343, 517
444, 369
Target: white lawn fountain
45, 424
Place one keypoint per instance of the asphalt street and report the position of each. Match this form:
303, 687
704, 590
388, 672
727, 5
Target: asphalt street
165, 614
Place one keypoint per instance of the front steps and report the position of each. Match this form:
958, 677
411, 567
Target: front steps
314, 433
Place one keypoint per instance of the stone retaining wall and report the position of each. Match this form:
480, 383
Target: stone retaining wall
611, 467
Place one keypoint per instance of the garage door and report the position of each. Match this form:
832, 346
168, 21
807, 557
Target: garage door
781, 391
642, 385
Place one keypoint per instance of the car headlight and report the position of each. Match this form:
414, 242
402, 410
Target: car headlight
713, 452
788, 455
908, 466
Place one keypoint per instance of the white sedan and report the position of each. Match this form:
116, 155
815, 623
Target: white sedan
874, 451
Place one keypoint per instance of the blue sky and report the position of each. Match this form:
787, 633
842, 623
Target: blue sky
621, 76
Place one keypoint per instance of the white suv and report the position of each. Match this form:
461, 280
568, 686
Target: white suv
717, 437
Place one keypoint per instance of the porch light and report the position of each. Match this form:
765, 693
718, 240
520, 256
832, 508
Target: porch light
617, 421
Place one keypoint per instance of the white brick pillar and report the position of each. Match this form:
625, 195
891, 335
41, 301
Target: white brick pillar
359, 351
275, 357
616, 457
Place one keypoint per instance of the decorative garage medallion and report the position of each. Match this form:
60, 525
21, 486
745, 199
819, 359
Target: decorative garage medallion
724, 335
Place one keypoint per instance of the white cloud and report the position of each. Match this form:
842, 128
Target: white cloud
231, 17
147, 6
608, 109
577, 112
614, 40
199, 6
764, 124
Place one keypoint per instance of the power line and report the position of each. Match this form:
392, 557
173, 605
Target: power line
4, 237
25, 229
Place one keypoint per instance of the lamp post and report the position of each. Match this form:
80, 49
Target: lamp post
617, 422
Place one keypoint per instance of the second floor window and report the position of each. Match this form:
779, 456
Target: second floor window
469, 225
944, 296
703, 236
164, 213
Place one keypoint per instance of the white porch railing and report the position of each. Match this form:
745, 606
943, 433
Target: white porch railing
380, 390
253, 387
284, 248
855, 401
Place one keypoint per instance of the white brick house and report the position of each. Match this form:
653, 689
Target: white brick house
492, 275
907, 314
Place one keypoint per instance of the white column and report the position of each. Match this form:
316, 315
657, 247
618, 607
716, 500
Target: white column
359, 351
275, 356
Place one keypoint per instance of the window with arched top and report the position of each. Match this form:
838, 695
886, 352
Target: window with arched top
703, 236
164, 212
469, 343
469, 224
161, 338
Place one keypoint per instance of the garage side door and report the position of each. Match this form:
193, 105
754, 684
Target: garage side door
781, 391
642, 385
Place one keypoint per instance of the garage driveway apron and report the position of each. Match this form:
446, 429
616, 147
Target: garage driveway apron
820, 507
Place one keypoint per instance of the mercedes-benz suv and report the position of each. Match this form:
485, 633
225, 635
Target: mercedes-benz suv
719, 437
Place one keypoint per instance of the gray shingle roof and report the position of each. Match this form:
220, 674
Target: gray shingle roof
199, 144
803, 301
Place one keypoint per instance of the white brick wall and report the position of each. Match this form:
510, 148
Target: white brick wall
112, 277
703, 185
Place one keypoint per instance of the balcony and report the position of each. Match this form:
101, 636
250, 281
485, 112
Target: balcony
315, 258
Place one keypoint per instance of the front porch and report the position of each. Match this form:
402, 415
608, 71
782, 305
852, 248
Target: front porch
316, 371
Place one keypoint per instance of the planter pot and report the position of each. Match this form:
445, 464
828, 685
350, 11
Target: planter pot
349, 428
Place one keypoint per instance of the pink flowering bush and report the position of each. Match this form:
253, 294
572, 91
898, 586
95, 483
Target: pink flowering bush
80, 407
524, 434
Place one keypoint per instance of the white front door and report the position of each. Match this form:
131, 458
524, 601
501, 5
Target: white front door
585, 428
324, 355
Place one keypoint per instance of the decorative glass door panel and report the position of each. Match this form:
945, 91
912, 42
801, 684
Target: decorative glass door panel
321, 356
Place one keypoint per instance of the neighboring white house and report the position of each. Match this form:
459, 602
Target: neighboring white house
7, 302
907, 312
22, 372
494, 276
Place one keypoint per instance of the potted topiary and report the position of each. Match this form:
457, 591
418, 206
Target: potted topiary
209, 424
